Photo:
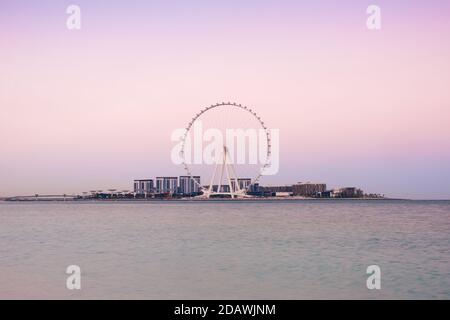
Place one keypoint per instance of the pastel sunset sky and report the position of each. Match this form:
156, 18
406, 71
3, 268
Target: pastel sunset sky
94, 108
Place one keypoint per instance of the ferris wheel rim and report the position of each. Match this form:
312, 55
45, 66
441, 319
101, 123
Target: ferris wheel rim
224, 104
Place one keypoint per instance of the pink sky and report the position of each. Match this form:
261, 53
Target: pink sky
94, 108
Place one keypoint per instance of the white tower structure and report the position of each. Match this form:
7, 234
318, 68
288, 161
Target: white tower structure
224, 166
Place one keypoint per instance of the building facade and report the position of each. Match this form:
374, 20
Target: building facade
143, 186
275, 189
308, 189
244, 183
166, 185
347, 192
188, 185
225, 188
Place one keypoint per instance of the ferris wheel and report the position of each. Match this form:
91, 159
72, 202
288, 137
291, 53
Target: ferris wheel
234, 168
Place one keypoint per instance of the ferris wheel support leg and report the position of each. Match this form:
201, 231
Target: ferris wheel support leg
229, 181
224, 161
212, 180
234, 175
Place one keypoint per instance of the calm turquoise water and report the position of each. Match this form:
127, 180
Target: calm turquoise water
259, 250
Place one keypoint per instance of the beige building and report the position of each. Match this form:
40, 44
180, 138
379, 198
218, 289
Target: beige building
308, 189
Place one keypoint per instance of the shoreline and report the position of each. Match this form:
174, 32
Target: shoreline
192, 200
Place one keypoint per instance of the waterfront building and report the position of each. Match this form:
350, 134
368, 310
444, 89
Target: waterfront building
347, 192
254, 187
308, 189
275, 189
143, 186
188, 186
359, 193
244, 183
283, 194
255, 190
224, 188
166, 185
326, 194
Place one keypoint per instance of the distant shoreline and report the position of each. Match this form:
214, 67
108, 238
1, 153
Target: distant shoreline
268, 199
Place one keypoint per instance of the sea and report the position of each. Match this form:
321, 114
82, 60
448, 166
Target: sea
305, 249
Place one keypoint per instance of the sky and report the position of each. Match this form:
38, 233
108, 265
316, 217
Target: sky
94, 108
